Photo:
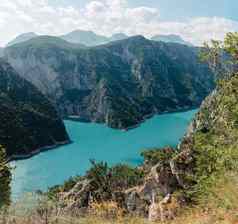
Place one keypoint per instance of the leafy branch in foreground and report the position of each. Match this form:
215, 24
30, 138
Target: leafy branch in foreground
221, 56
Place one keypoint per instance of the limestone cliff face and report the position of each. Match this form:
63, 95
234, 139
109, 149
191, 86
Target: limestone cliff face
28, 121
119, 83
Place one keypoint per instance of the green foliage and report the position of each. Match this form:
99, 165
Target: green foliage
162, 156
231, 44
215, 148
5, 179
53, 192
222, 56
215, 151
107, 180
212, 54
124, 176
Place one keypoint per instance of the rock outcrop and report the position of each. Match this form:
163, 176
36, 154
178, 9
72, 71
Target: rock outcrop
119, 84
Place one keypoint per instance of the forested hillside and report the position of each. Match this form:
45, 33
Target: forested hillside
28, 121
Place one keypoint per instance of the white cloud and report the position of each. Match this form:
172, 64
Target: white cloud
143, 14
104, 17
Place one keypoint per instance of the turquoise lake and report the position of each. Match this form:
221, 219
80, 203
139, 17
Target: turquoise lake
96, 141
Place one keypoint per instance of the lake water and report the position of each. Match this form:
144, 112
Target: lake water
96, 141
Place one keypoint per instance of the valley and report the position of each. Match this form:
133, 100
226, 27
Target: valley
118, 112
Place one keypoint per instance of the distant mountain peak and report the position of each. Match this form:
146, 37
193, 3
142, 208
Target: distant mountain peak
22, 38
171, 38
139, 38
118, 36
88, 38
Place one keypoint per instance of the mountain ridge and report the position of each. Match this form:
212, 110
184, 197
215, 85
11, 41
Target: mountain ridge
22, 38
171, 38
91, 39
152, 77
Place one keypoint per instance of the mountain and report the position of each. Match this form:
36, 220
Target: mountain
21, 38
120, 83
87, 38
28, 121
170, 39
118, 36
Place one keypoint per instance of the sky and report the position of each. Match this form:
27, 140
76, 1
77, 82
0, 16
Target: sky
194, 20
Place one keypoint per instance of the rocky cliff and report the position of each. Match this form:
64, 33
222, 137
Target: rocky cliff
28, 121
119, 83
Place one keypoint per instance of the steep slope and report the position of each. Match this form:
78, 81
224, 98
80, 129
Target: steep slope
170, 39
119, 83
21, 38
28, 121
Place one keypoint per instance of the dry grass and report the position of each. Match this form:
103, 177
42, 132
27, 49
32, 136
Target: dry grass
195, 217
220, 207
106, 210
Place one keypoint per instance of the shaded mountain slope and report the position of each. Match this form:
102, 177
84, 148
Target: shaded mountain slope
28, 121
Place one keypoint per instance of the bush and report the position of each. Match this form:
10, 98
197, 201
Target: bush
155, 156
107, 180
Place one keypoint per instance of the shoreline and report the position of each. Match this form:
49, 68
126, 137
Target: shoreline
58, 144
38, 151
145, 117
148, 116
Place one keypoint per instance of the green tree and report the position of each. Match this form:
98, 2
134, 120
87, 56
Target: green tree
5, 179
222, 56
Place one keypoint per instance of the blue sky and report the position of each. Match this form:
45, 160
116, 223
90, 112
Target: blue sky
180, 9
195, 21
